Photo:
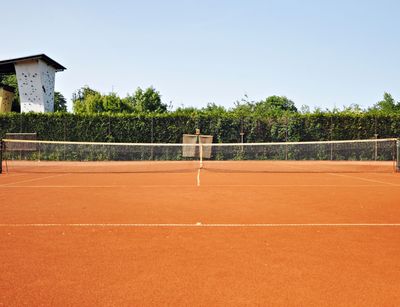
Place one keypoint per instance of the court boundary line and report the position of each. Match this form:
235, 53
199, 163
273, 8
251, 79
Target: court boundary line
198, 177
33, 179
64, 186
205, 186
364, 179
196, 225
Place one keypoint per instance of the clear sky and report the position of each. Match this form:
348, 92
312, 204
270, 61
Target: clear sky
319, 53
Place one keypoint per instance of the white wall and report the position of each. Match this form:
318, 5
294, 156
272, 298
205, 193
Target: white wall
47, 74
36, 86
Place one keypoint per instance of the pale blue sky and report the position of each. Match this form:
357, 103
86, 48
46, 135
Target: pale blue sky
319, 53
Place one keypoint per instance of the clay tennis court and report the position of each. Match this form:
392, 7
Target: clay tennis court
172, 234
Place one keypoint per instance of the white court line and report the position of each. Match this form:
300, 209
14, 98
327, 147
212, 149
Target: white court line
7, 175
198, 177
29, 180
301, 185
199, 225
207, 185
365, 179
65, 186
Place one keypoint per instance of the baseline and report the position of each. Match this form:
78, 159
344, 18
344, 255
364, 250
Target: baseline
199, 224
30, 180
364, 179
13, 186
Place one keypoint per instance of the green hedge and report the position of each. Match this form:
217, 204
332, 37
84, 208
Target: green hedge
168, 128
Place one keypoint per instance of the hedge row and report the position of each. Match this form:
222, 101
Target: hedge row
168, 128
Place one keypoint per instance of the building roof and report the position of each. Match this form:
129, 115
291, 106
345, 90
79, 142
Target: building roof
7, 66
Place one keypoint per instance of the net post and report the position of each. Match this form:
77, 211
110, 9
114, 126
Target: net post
241, 140
201, 154
200, 148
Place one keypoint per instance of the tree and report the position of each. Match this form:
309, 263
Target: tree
304, 109
60, 103
213, 108
112, 103
147, 101
352, 109
275, 105
387, 105
82, 94
87, 100
186, 111
244, 107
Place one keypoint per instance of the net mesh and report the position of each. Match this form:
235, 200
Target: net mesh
335, 156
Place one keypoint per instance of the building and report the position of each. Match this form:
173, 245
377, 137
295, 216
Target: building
36, 79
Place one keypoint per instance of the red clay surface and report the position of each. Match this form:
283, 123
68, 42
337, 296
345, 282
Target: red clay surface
89, 239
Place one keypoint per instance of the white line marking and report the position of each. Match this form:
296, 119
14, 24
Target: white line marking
271, 225
34, 179
65, 186
13, 174
207, 185
365, 179
198, 177
298, 185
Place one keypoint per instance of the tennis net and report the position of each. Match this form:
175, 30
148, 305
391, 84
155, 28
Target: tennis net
376, 155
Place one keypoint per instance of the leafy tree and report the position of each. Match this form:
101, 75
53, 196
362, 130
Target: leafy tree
129, 103
93, 103
275, 105
60, 103
149, 100
244, 107
86, 100
304, 109
387, 105
213, 108
186, 111
112, 103
83, 92
352, 109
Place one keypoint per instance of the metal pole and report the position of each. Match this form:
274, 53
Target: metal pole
242, 140
200, 147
